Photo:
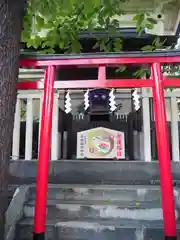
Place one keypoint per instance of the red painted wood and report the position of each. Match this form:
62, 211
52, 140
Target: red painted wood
167, 195
44, 152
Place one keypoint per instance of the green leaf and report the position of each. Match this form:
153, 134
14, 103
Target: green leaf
140, 31
149, 26
96, 45
61, 44
139, 18
102, 45
115, 22
75, 46
158, 44
121, 68
152, 20
117, 44
39, 20
147, 48
141, 72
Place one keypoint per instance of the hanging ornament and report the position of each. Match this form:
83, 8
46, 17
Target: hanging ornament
67, 103
112, 102
86, 100
136, 99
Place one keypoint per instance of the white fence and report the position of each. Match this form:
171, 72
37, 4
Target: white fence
29, 117
142, 140
172, 114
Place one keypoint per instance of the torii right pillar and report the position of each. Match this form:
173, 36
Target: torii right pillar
168, 205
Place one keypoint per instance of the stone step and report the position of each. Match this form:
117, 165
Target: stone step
24, 229
101, 192
108, 231
100, 210
103, 212
92, 172
104, 203
93, 230
74, 212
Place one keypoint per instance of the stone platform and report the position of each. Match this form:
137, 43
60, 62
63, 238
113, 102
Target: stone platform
92, 172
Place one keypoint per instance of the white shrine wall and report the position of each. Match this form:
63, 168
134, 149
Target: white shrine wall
142, 140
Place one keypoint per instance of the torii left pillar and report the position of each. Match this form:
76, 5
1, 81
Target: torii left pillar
44, 155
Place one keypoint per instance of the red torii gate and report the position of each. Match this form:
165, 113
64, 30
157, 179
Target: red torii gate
157, 82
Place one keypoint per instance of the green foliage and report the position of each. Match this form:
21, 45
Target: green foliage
57, 23
156, 44
143, 20
52, 24
62, 21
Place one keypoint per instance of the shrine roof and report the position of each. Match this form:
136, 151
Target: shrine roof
136, 54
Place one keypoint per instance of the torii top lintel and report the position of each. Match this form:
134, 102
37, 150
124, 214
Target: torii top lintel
100, 60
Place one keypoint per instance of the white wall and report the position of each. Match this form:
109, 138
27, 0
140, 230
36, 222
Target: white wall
34, 98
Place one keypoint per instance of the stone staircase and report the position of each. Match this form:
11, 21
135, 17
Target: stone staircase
98, 212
